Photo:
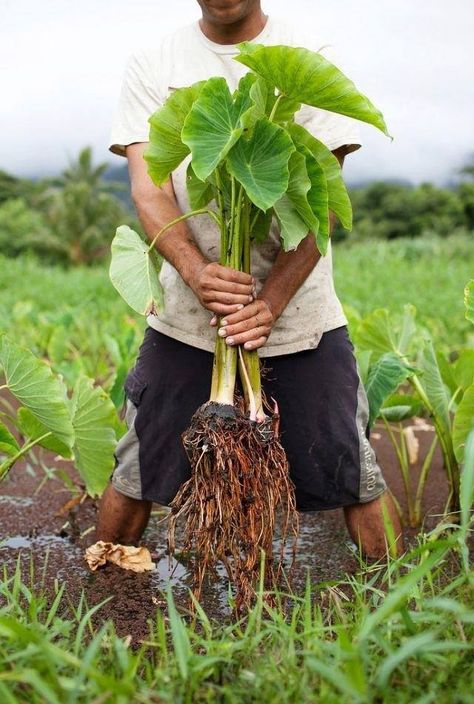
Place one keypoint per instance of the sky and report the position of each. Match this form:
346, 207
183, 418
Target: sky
62, 62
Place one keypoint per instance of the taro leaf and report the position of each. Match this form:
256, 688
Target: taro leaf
260, 163
8, 444
433, 385
384, 377
166, 151
32, 382
318, 200
200, 193
58, 345
375, 333
463, 371
33, 429
134, 271
463, 422
212, 126
469, 300
293, 228
400, 407
93, 418
408, 328
307, 77
296, 199
262, 222
338, 198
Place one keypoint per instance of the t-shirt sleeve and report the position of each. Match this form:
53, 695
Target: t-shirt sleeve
139, 98
332, 129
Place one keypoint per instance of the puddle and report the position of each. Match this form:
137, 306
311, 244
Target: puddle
16, 500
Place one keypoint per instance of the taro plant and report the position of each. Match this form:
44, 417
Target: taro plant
249, 162
79, 427
443, 391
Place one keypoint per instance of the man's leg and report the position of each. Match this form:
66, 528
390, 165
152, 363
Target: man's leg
366, 524
121, 519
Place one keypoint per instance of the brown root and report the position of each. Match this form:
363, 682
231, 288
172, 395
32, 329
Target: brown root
240, 477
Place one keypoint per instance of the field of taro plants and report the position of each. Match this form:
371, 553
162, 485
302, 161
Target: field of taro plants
399, 630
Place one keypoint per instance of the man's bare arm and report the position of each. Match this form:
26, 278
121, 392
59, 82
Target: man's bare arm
252, 325
219, 289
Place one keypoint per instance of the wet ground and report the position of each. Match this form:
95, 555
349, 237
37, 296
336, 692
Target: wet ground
40, 526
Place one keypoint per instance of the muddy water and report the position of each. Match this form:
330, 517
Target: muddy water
50, 545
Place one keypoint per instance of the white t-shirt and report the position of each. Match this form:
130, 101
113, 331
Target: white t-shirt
183, 58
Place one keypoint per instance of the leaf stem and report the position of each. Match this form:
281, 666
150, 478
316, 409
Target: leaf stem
8, 464
186, 216
275, 106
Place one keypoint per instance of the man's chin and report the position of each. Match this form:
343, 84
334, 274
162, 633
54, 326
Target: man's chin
225, 11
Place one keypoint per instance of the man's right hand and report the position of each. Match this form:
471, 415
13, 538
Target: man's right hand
220, 289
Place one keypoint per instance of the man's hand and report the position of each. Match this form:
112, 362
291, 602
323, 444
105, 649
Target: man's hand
220, 289
249, 327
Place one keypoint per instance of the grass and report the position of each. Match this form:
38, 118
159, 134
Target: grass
401, 632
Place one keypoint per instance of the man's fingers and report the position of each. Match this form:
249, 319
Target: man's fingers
215, 283
221, 309
238, 277
229, 299
255, 344
250, 336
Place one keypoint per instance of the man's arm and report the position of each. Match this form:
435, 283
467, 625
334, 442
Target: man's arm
253, 324
219, 289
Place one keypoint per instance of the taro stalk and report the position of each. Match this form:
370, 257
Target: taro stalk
250, 162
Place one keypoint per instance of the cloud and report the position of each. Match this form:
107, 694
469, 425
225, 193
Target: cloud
63, 63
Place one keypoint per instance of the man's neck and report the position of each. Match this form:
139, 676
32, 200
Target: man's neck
243, 31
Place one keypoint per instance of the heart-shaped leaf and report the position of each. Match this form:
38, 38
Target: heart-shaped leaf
32, 382
385, 376
213, 126
338, 197
8, 443
308, 77
260, 163
200, 193
166, 151
134, 271
93, 418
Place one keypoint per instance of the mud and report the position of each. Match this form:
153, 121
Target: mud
39, 527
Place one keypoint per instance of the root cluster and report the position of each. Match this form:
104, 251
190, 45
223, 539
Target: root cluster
239, 478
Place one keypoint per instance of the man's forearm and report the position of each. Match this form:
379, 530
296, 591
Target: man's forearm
177, 245
289, 271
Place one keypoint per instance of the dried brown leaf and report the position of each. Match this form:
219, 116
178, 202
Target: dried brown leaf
129, 557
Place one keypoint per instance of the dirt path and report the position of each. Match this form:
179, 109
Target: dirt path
32, 528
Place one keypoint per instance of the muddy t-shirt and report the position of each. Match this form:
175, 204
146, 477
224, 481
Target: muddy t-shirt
183, 58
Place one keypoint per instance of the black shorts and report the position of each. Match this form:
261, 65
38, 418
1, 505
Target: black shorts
323, 409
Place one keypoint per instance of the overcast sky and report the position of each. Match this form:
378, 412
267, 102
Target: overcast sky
61, 66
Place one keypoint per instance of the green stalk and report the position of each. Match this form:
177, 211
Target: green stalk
249, 363
186, 216
422, 480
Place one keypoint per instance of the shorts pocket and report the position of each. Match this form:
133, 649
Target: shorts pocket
134, 387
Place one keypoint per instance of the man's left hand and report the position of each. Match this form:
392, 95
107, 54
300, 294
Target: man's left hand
249, 327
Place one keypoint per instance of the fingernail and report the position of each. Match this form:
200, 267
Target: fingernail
223, 323
240, 306
250, 299
230, 340
222, 332
248, 345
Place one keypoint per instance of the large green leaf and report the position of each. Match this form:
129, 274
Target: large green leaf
469, 300
293, 228
318, 199
213, 126
33, 429
200, 193
385, 376
463, 371
432, 382
32, 382
134, 271
338, 197
375, 333
166, 151
93, 418
398, 407
297, 195
260, 163
463, 423
307, 77
8, 444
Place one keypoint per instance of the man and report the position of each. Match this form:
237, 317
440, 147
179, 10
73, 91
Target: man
288, 310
